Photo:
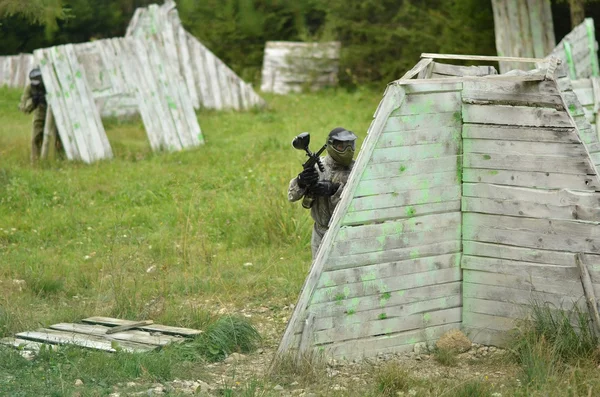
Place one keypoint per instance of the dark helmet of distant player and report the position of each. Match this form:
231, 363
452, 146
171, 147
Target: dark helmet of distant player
35, 76
341, 144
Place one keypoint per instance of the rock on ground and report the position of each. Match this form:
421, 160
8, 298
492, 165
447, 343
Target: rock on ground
454, 340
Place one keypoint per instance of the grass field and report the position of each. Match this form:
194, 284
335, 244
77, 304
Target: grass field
188, 238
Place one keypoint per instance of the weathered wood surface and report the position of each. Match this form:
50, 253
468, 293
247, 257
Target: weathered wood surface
538, 180
87, 341
578, 51
293, 66
588, 289
523, 29
166, 329
515, 115
124, 335
210, 83
14, 70
515, 133
444, 69
21, 343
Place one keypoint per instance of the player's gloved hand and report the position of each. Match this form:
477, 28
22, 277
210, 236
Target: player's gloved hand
308, 177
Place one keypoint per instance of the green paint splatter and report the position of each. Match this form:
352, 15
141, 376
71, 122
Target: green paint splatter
487, 157
414, 254
572, 108
493, 172
457, 116
384, 298
339, 298
395, 194
369, 276
427, 317
410, 211
78, 74
382, 316
350, 312
402, 168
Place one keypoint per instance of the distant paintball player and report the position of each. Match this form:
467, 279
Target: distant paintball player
34, 100
321, 184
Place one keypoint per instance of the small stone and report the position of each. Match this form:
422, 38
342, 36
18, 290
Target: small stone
454, 340
294, 383
248, 264
151, 269
234, 358
131, 384
78, 382
278, 388
420, 348
114, 395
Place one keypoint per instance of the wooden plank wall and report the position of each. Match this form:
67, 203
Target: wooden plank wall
294, 66
444, 70
524, 28
579, 51
211, 84
529, 202
14, 70
390, 276
75, 75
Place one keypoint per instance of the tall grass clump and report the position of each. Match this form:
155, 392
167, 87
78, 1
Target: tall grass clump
307, 367
550, 340
222, 337
392, 380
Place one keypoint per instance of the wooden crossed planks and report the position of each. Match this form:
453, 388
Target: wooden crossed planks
105, 334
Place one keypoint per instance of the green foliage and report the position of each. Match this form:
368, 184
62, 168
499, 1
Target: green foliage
391, 380
446, 357
229, 334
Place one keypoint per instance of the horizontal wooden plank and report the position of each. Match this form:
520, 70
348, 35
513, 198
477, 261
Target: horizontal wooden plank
515, 115
555, 227
397, 227
543, 87
423, 121
550, 197
345, 262
523, 297
487, 321
406, 197
403, 296
537, 180
400, 183
87, 341
166, 329
495, 308
482, 97
393, 343
414, 153
362, 217
425, 87
21, 344
519, 268
418, 137
512, 133
394, 241
568, 287
390, 269
399, 312
429, 103
459, 70
476, 248
406, 168
531, 239
388, 326
389, 284
577, 164
518, 208
131, 335
522, 148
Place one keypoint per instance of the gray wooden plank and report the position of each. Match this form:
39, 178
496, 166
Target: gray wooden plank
394, 241
518, 208
344, 262
515, 133
406, 197
429, 103
576, 165
538, 180
390, 269
418, 137
519, 268
151, 328
515, 115
389, 284
487, 321
495, 308
389, 326
87, 341
567, 287
430, 87
398, 227
405, 168
19, 343
549, 197
480, 249
523, 148
130, 335
423, 121
399, 183
488, 337
410, 211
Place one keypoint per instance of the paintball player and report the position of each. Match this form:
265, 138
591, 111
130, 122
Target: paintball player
325, 187
34, 100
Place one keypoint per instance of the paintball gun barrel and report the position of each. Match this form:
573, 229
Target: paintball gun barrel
301, 142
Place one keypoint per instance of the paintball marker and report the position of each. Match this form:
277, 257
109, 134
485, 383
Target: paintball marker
38, 94
301, 142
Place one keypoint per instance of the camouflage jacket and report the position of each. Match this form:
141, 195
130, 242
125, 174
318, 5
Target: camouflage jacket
28, 104
323, 207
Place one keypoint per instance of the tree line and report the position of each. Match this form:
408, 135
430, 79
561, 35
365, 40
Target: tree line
381, 39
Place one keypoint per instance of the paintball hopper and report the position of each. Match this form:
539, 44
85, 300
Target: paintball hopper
301, 141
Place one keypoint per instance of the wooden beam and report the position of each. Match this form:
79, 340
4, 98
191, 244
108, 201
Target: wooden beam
483, 58
588, 289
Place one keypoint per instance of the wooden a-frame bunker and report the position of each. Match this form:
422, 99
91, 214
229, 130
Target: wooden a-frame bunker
475, 194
